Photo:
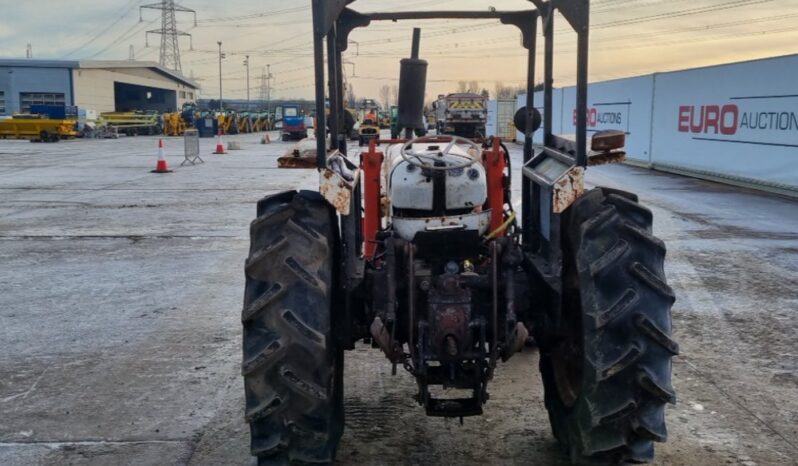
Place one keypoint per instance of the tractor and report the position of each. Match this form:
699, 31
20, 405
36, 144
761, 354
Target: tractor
414, 246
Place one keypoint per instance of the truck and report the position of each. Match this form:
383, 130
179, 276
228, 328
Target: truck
461, 114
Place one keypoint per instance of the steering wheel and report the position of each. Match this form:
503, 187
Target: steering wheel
407, 153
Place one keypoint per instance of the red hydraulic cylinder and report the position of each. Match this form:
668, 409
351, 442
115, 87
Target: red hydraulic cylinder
495, 165
371, 164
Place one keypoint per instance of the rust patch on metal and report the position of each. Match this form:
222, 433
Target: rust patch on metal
568, 189
302, 155
333, 185
290, 161
603, 158
608, 140
335, 190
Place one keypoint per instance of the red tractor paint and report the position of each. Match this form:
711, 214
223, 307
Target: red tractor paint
495, 166
371, 163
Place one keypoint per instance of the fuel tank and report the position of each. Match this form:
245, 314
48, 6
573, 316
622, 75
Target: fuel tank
433, 199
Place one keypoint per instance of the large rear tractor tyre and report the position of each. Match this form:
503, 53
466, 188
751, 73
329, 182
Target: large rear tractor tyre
293, 371
607, 377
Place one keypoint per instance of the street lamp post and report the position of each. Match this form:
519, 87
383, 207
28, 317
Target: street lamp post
221, 55
246, 63
268, 88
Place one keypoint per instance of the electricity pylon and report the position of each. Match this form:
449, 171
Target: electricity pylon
170, 49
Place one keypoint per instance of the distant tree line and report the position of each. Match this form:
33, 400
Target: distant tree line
501, 91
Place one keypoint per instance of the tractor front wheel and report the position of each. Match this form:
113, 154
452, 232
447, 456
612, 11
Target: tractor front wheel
607, 370
293, 370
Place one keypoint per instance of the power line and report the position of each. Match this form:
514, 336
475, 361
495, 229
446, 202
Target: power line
127, 9
678, 13
130, 32
302, 51
625, 38
254, 15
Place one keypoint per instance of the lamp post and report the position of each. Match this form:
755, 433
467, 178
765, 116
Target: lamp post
246, 63
269, 88
221, 55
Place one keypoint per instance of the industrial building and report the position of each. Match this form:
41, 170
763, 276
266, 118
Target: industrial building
103, 86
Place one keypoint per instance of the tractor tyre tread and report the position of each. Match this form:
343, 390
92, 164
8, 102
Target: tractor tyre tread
618, 267
290, 363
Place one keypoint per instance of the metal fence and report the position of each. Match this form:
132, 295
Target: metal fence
192, 148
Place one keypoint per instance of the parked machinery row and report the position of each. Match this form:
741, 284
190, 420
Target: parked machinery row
51, 123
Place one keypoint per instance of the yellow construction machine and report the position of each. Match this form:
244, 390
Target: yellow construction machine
37, 128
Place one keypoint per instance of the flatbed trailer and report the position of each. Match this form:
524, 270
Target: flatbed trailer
38, 129
132, 123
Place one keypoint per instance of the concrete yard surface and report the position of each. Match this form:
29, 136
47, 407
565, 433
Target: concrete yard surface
120, 334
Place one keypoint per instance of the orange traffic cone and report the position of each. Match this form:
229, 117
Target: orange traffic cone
161, 166
219, 145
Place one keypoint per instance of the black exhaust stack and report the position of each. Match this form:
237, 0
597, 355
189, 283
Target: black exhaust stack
412, 87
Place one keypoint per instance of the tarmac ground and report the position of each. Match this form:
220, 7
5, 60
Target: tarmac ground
120, 333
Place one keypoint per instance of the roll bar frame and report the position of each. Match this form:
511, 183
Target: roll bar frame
333, 20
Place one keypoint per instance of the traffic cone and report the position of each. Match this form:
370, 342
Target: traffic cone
219, 145
161, 166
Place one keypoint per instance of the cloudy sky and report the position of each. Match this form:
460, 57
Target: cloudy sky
628, 38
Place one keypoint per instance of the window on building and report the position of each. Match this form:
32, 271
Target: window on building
191, 95
26, 99
182, 94
2, 103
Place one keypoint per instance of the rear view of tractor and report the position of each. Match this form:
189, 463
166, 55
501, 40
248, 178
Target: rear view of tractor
416, 248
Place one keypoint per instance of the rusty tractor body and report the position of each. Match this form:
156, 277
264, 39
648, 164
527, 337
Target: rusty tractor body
414, 246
